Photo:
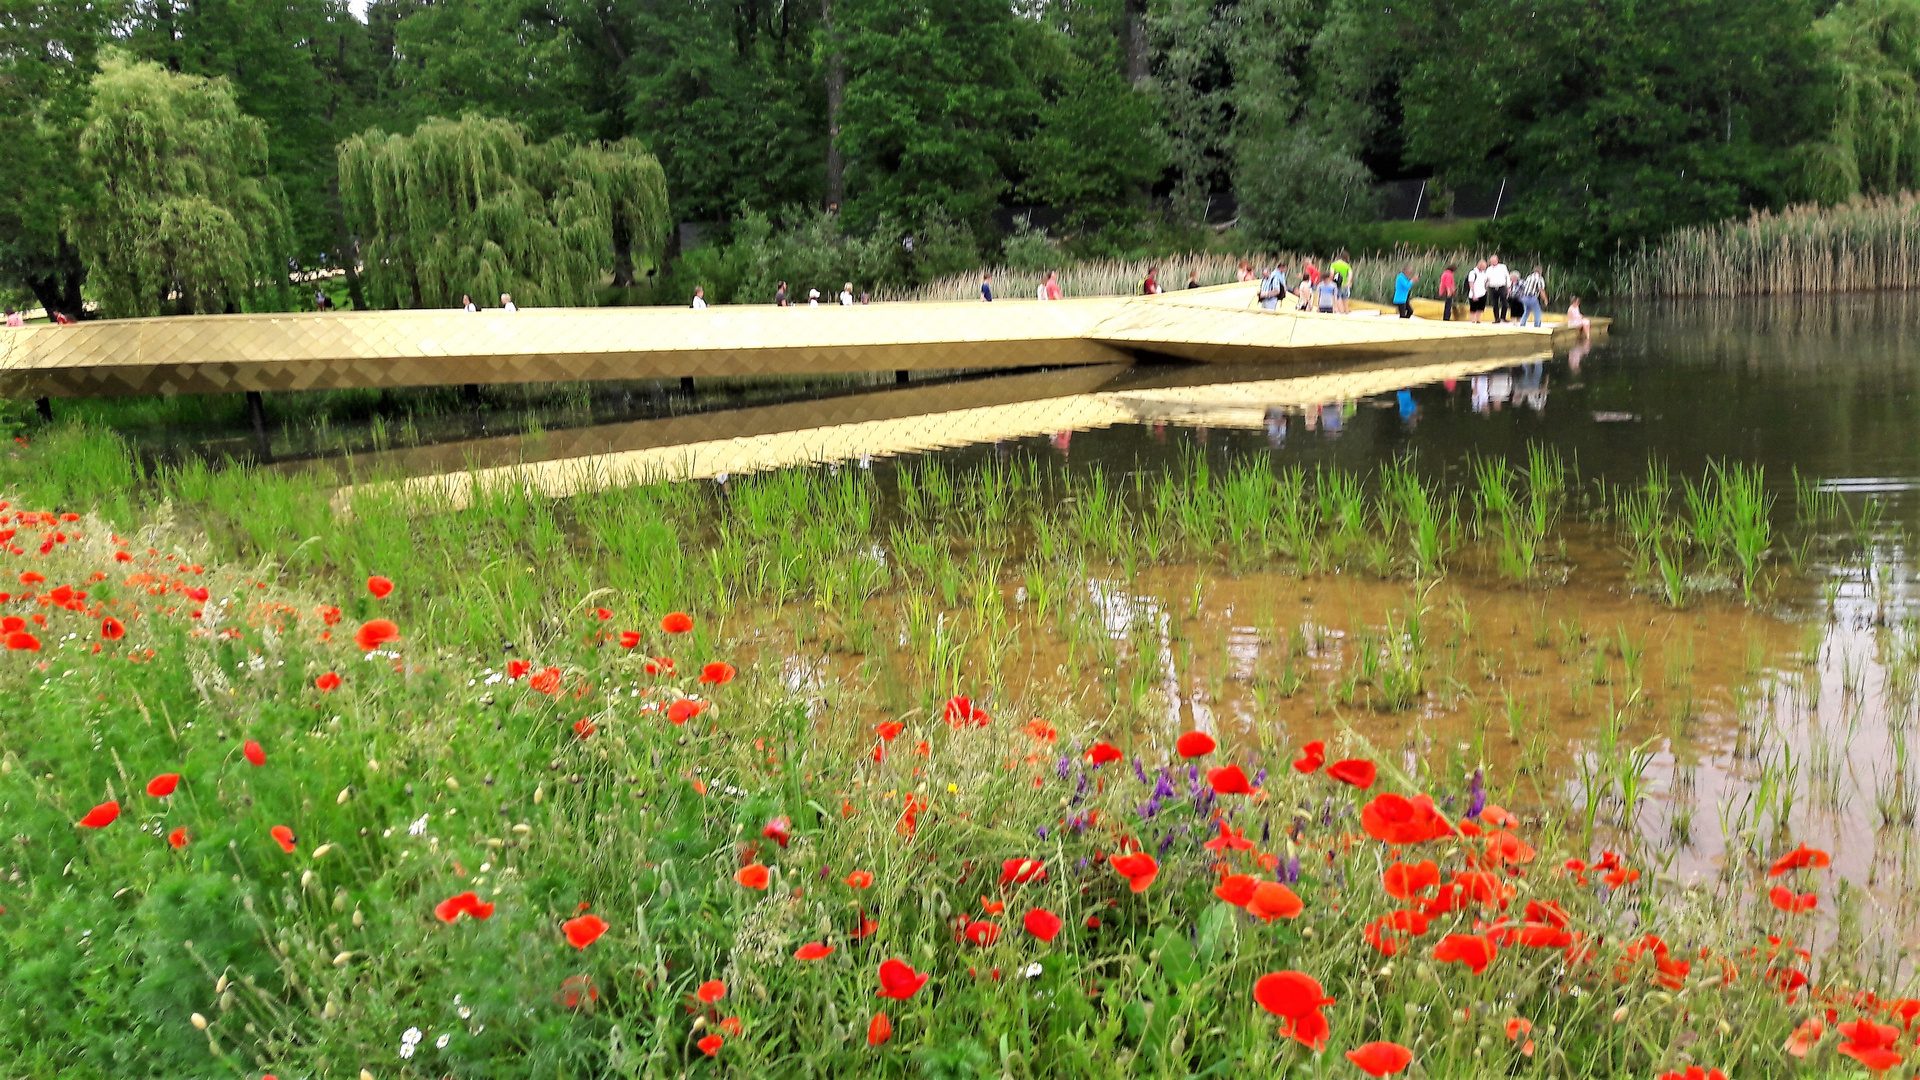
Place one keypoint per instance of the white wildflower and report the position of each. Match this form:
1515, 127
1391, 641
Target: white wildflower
441, 1042
419, 828
408, 1041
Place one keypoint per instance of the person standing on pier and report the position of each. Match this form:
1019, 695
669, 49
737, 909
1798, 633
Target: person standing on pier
699, 298
780, 296
1342, 273
1403, 291
1273, 288
1151, 286
986, 287
1499, 280
1477, 291
1533, 294
1446, 293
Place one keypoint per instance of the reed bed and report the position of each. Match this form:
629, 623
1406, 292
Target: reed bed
1372, 274
1858, 246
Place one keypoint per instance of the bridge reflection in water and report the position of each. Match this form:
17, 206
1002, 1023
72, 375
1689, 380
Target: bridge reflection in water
888, 422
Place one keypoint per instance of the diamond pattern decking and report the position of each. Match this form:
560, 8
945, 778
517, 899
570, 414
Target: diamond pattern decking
203, 354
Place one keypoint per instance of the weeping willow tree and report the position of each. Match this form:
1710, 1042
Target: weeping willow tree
184, 216
1873, 47
470, 206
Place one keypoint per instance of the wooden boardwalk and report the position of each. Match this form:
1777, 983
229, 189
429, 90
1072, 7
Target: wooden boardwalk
213, 354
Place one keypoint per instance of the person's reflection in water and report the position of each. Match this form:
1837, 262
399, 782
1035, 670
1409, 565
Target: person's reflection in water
1276, 424
1576, 355
1409, 409
1532, 391
1313, 418
1062, 440
1331, 420
1480, 393
1499, 389
1160, 432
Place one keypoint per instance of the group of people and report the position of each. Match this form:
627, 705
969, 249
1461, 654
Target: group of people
781, 299
506, 303
1046, 290
1328, 292
1493, 284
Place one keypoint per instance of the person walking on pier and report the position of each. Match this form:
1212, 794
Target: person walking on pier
1403, 291
506, 303
1533, 294
1446, 293
1151, 286
846, 295
1052, 286
1477, 291
1342, 274
986, 287
1273, 287
780, 296
699, 298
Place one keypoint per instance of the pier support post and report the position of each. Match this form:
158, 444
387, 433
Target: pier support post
257, 413
686, 383
900, 378
45, 407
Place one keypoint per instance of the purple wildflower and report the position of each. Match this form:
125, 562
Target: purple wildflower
1165, 843
1139, 770
1061, 770
1478, 789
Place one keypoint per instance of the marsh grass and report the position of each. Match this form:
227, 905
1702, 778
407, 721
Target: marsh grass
1862, 245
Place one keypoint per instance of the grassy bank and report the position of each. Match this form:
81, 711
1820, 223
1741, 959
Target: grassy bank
1087, 891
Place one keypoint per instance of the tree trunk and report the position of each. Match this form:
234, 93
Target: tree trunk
1134, 26
622, 253
343, 245
836, 93
58, 290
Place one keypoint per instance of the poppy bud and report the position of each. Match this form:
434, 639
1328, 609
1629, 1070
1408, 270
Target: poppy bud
343, 958
198, 1021
322, 851
365, 1075
345, 794
306, 879
1620, 1015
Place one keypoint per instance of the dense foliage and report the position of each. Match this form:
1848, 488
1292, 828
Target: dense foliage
1123, 125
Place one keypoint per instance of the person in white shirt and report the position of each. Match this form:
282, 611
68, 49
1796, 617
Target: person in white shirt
467, 304
846, 295
699, 298
1040, 292
1477, 291
506, 303
1499, 281
813, 297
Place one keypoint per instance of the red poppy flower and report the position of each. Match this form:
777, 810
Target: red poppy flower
328, 683
779, 830
112, 629
753, 876
1380, 1058
576, 991
379, 586
32, 578
814, 950
163, 785
1356, 771
1101, 753
865, 929
717, 674
860, 879
465, 903
252, 752
584, 930
1506, 849
1021, 871
1291, 994
1042, 924
101, 816
282, 836
711, 991
198, 595
177, 838
629, 639
899, 981
1311, 1030
1272, 900
982, 933
1785, 899
1228, 840
1805, 1038
517, 669
684, 710
1800, 858
1473, 950
677, 623
1405, 882
1396, 819
1139, 869
1870, 1044
1236, 889
21, 641
962, 712
1694, 1072
1193, 744
711, 1045
1312, 756
1041, 731
879, 1029
1230, 780
374, 633
584, 727
11, 623
659, 665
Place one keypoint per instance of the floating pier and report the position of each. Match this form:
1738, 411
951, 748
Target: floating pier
256, 353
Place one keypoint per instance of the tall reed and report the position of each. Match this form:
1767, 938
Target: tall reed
1857, 246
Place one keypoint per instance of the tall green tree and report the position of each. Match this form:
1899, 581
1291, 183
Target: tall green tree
49, 53
1871, 49
304, 67
473, 206
1617, 119
937, 104
183, 214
